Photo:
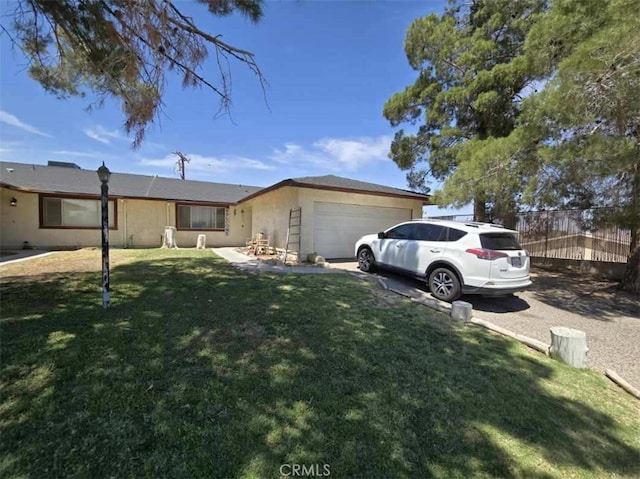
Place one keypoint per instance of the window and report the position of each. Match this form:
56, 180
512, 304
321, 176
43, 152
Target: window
455, 235
427, 232
499, 241
401, 232
74, 213
195, 217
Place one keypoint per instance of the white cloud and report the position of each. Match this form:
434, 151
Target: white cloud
207, 165
101, 134
150, 146
81, 154
9, 119
335, 153
95, 136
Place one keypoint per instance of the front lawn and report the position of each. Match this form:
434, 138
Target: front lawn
200, 370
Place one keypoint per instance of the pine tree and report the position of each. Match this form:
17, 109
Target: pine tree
471, 74
586, 121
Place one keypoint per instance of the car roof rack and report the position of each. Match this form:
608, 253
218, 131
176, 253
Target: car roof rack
478, 224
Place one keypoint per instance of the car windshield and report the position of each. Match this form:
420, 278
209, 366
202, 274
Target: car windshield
499, 241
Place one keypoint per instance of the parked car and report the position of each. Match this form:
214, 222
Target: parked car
453, 258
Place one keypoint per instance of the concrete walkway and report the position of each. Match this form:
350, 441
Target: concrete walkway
254, 265
22, 255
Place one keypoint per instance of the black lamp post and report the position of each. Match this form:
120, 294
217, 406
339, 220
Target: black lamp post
104, 174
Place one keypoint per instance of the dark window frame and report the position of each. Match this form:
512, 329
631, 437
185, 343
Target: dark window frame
408, 225
488, 241
442, 236
42, 225
450, 230
224, 207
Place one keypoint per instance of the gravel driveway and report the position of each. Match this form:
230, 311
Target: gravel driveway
610, 317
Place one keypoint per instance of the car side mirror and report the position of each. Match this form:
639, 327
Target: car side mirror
382, 235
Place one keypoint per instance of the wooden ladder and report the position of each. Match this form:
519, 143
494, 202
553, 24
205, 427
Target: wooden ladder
293, 233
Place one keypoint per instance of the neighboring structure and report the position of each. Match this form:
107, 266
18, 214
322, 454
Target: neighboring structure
57, 206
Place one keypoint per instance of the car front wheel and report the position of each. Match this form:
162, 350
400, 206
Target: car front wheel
366, 261
444, 284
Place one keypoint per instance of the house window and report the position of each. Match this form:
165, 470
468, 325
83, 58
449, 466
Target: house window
73, 213
195, 217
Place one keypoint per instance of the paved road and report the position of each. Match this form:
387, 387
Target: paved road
610, 318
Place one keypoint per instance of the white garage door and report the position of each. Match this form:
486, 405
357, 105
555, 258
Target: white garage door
338, 226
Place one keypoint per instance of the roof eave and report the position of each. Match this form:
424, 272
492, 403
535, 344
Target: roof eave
290, 182
112, 196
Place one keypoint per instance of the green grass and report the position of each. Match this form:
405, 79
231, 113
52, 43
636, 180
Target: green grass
200, 370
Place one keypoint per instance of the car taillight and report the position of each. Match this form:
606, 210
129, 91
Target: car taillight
489, 254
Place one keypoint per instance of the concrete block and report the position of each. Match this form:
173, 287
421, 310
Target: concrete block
461, 311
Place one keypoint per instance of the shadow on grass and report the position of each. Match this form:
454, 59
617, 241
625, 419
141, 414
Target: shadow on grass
201, 370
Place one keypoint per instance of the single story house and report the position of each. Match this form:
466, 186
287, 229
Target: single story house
57, 206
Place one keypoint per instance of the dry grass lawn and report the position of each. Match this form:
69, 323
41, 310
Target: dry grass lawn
202, 370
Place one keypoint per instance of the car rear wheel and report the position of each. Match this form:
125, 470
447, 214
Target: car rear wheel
444, 284
366, 261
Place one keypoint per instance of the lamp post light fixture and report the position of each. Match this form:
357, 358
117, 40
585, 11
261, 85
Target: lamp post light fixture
104, 174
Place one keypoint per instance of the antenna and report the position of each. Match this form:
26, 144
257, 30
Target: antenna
182, 159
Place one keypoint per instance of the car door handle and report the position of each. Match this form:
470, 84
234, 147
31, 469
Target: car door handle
436, 251
399, 246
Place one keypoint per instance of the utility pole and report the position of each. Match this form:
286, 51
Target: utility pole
182, 159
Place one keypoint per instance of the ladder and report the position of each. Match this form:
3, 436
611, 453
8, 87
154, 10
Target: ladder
293, 233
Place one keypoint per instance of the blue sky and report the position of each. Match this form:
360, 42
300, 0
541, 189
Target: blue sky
330, 66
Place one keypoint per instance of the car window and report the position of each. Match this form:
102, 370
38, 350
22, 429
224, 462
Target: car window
499, 241
455, 235
427, 232
401, 232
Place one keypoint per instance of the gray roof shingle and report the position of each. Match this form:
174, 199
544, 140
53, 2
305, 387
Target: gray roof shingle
76, 181
59, 179
338, 182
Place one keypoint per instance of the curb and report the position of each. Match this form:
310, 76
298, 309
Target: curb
611, 374
433, 304
532, 343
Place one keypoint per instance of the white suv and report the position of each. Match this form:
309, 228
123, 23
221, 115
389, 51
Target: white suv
454, 258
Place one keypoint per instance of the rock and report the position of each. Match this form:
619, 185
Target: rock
315, 258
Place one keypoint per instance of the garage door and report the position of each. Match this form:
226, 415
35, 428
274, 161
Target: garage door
338, 226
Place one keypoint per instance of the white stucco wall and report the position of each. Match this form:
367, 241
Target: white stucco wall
308, 196
140, 224
22, 223
270, 211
